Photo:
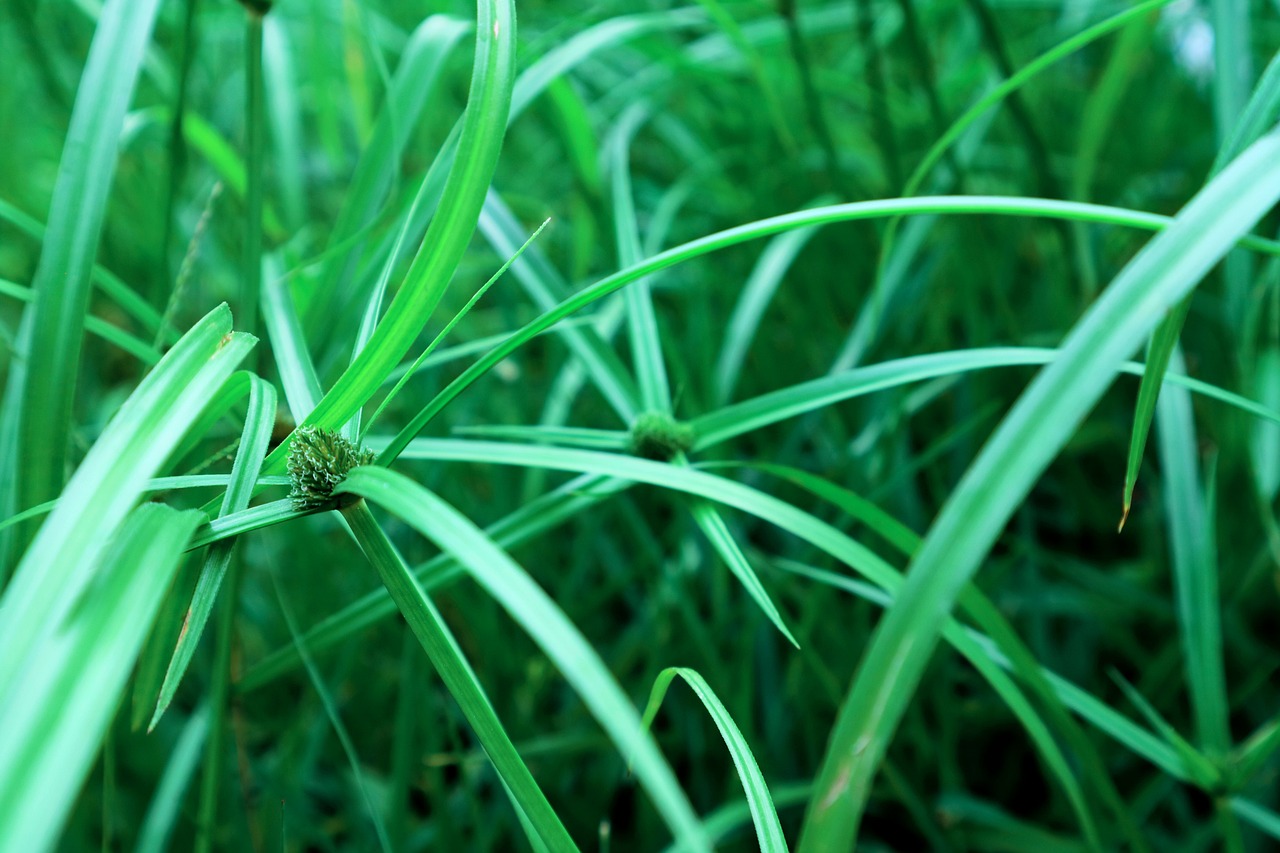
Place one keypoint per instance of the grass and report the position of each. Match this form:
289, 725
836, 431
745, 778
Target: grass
785, 353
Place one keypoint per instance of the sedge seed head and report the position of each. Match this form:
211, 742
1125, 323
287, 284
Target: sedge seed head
658, 436
319, 460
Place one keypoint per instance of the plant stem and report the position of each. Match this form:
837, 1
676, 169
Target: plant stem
251, 283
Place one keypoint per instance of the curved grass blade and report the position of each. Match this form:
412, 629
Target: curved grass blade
740, 418
763, 814
415, 78
775, 512
60, 562
1256, 816
537, 517
288, 344
435, 342
1259, 114
109, 332
717, 533
56, 712
642, 324
111, 285
447, 658
764, 228
544, 286
41, 384
545, 622
1024, 444
450, 231
244, 476
757, 293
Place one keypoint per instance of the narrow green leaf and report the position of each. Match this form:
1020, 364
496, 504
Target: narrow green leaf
539, 516
1195, 567
529, 605
717, 533
447, 658
60, 562
244, 475
1258, 116
166, 804
451, 228
56, 711
1025, 443
642, 324
764, 228
763, 814
546, 288
42, 383
420, 64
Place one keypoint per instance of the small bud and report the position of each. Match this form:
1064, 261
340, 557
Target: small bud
319, 460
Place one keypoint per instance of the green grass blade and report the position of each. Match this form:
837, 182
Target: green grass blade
545, 287
166, 805
111, 285
764, 228
448, 327
1258, 116
535, 518
717, 533
288, 344
982, 656
41, 385
376, 172
763, 814
642, 324
1159, 351
447, 658
526, 602
1257, 816
335, 719
1016, 81
451, 228
1024, 444
136, 347
284, 117
897, 534
1195, 567
56, 712
757, 293
244, 476
59, 563
772, 407
1203, 768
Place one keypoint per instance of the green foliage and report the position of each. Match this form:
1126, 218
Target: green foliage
891, 262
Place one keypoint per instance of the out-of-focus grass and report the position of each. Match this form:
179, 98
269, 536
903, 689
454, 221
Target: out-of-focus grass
790, 243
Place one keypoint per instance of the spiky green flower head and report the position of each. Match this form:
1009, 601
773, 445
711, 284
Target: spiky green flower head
658, 436
319, 460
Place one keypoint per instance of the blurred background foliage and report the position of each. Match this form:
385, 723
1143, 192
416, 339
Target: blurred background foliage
743, 110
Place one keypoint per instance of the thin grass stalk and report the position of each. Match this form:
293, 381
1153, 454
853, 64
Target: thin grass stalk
255, 156
215, 746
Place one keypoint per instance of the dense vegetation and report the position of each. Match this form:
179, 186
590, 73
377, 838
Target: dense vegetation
701, 425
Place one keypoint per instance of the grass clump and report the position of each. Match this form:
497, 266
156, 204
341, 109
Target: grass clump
319, 459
